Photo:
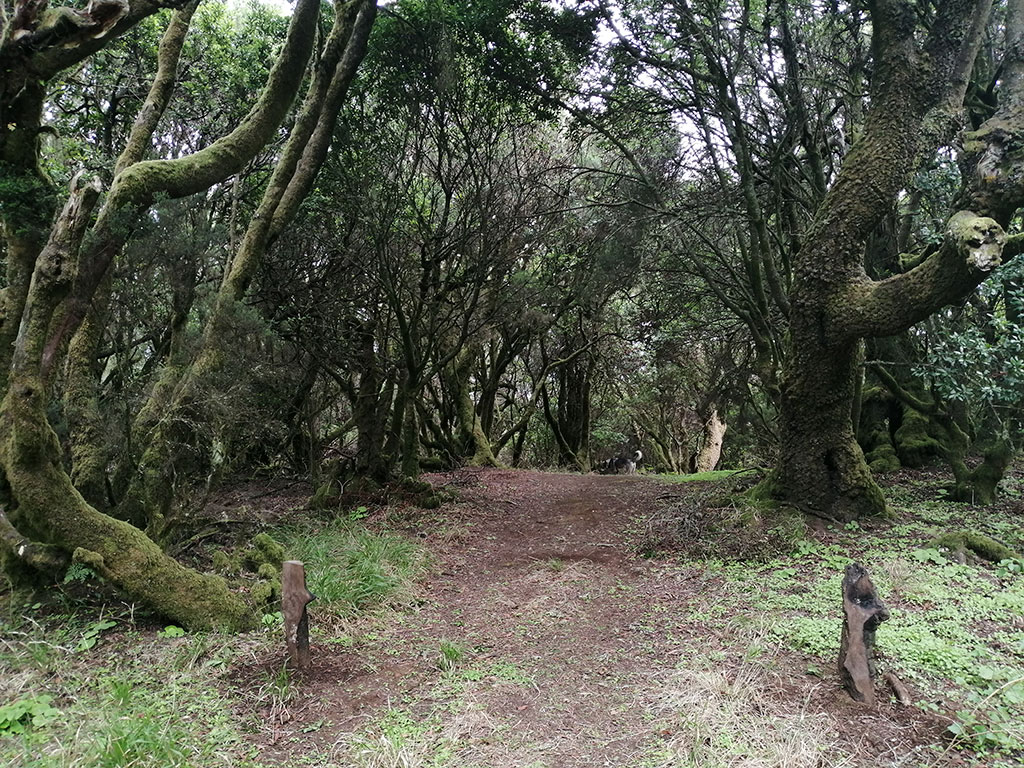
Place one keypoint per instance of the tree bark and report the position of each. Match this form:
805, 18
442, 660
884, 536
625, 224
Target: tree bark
473, 442
153, 485
46, 507
89, 446
862, 613
711, 443
917, 90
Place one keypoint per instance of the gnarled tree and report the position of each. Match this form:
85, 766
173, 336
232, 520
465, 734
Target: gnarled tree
55, 271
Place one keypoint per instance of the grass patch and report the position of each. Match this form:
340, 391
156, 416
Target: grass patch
349, 567
955, 628
699, 526
720, 718
135, 699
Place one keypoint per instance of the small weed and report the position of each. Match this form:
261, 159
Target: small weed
92, 633
170, 631
77, 572
272, 620
451, 655
357, 514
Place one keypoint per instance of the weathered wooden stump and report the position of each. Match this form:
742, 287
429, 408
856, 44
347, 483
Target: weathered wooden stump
863, 612
294, 599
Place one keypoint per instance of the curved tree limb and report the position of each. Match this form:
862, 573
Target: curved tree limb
971, 250
42, 557
137, 185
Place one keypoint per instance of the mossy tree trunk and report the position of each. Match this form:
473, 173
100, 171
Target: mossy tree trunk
370, 398
918, 87
42, 503
473, 442
48, 509
89, 448
172, 442
712, 440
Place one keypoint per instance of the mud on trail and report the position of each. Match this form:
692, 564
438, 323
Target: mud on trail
539, 638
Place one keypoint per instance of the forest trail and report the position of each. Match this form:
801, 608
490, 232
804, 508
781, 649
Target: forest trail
564, 648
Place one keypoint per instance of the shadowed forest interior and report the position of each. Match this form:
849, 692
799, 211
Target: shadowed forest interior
596, 337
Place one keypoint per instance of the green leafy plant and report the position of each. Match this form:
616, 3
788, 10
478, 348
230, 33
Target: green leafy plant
170, 631
929, 555
359, 513
34, 711
1009, 567
92, 633
77, 572
350, 567
272, 620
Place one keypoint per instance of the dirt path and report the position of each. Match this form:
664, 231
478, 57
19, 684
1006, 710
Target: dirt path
564, 649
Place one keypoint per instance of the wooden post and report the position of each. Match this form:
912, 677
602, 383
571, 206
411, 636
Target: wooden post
294, 599
863, 612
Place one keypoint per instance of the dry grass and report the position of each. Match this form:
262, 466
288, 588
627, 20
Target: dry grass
380, 751
726, 718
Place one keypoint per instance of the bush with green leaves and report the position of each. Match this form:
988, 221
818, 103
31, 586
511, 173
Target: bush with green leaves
983, 363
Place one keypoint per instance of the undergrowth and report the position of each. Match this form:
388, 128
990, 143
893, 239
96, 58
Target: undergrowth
129, 697
956, 632
350, 568
716, 717
85, 684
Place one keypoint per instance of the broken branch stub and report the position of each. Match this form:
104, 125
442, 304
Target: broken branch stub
863, 612
294, 599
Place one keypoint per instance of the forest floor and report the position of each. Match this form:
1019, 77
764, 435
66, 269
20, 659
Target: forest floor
542, 637
561, 621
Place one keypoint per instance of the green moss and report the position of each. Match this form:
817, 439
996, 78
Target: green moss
325, 497
915, 446
415, 485
982, 546
226, 563
272, 551
87, 557
879, 452
430, 501
266, 593
268, 571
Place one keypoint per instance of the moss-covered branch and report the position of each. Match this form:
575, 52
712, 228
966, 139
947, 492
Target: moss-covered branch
49, 506
137, 185
971, 250
199, 171
159, 96
42, 557
87, 434
54, 271
307, 145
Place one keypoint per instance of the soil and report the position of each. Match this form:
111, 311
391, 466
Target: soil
569, 643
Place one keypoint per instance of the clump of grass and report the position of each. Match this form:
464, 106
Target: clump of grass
451, 654
699, 477
349, 567
124, 702
382, 751
701, 525
725, 717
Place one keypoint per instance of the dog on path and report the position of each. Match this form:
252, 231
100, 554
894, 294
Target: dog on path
620, 465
